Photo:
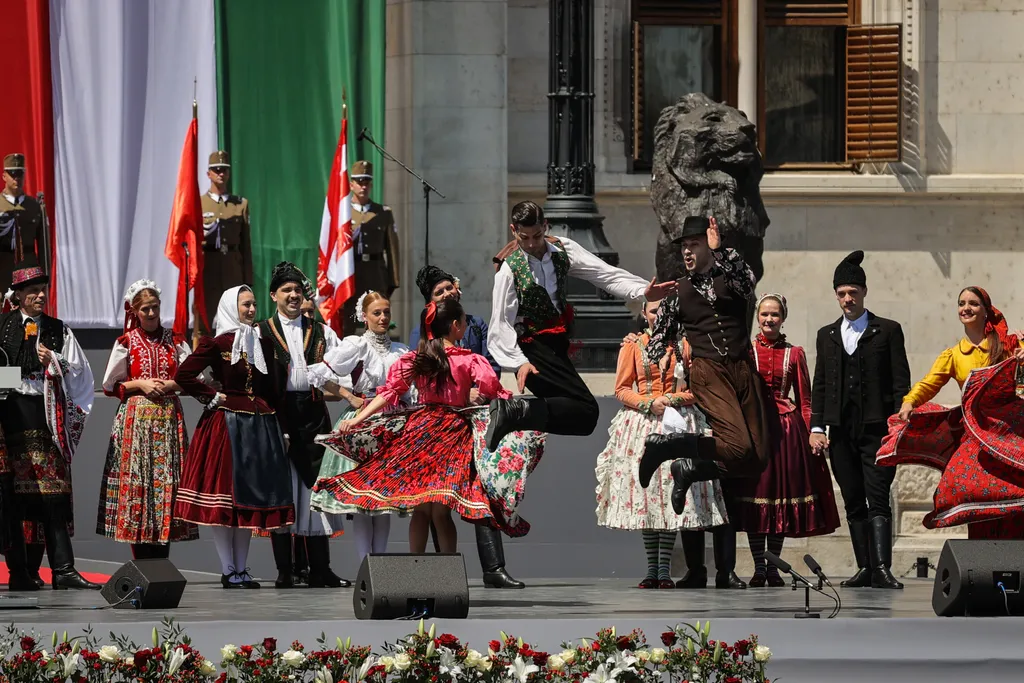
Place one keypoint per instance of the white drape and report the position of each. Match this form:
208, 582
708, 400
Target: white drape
122, 99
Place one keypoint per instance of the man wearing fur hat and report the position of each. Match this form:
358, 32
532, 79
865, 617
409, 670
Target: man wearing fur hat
435, 285
42, 421
300, 342
21, 222
375, 240
860, 378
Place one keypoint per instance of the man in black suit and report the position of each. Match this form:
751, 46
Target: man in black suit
860, 377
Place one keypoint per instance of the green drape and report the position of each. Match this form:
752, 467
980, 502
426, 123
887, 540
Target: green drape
282, 68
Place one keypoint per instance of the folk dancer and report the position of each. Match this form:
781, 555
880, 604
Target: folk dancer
42, 421
299, 343
860, 378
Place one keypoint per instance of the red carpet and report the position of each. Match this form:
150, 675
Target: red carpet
45, 573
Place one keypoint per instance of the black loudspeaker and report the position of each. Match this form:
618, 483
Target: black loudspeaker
145, 584
979, 578
394, 585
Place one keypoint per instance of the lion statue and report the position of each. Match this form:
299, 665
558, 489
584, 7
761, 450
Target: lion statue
706, 163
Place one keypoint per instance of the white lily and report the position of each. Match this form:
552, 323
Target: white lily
178, 657
364, 667
519, 669
449, 663
323, 676
70, 662
622, 660
603, 675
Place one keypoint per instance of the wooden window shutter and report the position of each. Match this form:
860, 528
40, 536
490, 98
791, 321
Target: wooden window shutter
676, 11
636, 75
810, 11
874, 93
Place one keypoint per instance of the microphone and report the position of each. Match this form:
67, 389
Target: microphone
815, 568
363, 134
784, 567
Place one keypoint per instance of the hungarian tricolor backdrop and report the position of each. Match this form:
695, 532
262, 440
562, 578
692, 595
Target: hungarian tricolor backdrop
99, 99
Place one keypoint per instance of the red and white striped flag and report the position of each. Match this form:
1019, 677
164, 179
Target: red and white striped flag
335, 273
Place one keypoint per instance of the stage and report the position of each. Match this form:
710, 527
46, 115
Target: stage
879, 635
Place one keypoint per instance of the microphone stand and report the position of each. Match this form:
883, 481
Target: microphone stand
807, 613
46, 262
427, 189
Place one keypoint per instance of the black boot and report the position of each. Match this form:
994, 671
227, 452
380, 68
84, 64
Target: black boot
320, 574
62, 558
300, 570
281, 544
860, 536
685, 473
725, 558
492, 559
881, 555
696, 575
661, 448
151, 551
507, 415
18, 566
34, 553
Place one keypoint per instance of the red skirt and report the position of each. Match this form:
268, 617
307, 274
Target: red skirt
425, 457
979, 448
793, 496
236, 473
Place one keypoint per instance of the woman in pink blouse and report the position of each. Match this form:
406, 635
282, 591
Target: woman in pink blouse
421, 461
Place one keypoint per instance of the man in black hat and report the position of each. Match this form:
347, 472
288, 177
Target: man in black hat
299, 342
860, 378
436, 285
35, 476
712, 306
21, 222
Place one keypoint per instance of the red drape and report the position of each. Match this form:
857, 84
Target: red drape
26, 119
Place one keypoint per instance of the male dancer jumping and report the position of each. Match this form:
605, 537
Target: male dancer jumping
531, 321
714, 299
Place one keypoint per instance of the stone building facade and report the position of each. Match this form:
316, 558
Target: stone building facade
467, 104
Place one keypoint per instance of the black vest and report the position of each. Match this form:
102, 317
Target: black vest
851, 393
21, 352
314, 340
715, 330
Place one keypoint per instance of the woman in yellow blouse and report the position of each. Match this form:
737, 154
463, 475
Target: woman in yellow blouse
975, 488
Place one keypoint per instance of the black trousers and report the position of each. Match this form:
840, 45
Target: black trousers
572, 409
864, 485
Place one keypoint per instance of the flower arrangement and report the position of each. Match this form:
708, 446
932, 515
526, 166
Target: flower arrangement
688, 655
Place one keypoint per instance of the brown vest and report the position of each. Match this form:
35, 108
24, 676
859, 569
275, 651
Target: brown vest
714, 330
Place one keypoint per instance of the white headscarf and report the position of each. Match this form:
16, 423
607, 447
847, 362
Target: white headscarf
247, 338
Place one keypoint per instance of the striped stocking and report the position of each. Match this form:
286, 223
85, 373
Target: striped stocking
651, 547
757, 545
775, 547
666, 544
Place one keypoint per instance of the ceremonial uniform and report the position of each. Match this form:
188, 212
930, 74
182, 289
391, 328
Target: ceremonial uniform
21, 227
375, 241
227, 246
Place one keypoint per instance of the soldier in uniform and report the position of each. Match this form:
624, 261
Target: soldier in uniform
227, 248
375, 239
21, 222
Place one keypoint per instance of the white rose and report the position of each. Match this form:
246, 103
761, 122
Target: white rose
658, 655
556, 663
207, 668
568, 656
388, 663
643, 656
227, 653
293, 658
762, 654
485, 664
129, 660
109, 653
403, 661
472, 658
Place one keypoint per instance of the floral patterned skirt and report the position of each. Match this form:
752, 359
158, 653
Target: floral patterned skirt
148, 442
979, 448
623, 504
40, 474
432, 454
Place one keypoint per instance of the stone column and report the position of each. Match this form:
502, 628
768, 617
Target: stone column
746, 37
570, 207
446, 117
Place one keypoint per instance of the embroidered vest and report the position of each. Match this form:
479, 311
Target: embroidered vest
314, 342
535, 305
21, 352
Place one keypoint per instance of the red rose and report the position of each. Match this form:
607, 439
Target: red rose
28, 644
540, 658
742, 647
269, 644
495, 645
669, 638
245, 651
448, 640
223, 678
624, 643
595, 646
141, 657
733, 679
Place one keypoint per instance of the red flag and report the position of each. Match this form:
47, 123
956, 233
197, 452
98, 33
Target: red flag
185, 233
335, 273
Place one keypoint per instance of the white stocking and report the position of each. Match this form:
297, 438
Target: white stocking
222, 537
381, 530
240, 548
363, 526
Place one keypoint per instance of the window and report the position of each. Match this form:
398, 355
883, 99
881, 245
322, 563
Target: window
829, 89
678, 47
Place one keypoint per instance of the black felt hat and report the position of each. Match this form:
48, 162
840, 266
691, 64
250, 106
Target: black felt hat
428, 277
283, 272
694, 226
849, 272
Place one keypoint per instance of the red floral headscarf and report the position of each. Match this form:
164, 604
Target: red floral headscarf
994, 320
